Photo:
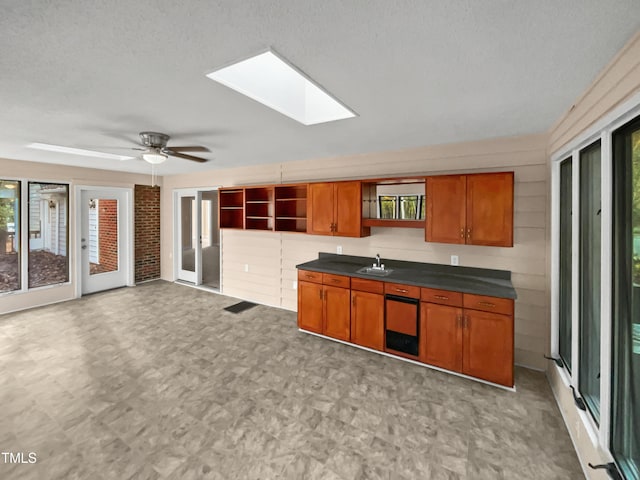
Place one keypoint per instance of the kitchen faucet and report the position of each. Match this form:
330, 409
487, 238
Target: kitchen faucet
377, 265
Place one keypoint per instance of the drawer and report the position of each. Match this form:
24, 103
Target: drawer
336, 280
308, 276
364, 285
402, 290
441, 297
488, 304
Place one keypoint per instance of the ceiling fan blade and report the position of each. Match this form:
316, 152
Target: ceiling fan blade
169, 151
189, 149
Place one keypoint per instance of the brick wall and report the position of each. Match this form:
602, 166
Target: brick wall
147, 233
108, 234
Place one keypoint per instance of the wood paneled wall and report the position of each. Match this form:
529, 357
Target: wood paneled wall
272, 256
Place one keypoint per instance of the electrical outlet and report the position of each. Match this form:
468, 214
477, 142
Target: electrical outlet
454, 259
246, 267
295, 284
339, 249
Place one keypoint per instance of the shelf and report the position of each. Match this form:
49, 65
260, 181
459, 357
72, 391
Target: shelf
291, 199
254, 217
383, 222
258, 201
231, 208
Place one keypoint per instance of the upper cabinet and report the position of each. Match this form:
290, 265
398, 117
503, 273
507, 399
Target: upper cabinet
231, 207
335, 208
393, 202
475, 209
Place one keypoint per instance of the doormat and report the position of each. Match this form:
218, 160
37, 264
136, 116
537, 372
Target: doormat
240, 307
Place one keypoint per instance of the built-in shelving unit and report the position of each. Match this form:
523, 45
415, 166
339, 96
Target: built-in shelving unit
291, 208
231, 207
258, 208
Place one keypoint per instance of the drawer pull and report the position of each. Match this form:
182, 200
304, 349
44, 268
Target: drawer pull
308, 275
441, 297
487, 304
335, 280
402, 290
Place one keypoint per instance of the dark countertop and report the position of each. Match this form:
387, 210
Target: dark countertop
479, 281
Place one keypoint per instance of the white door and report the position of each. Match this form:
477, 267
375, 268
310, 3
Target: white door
189, 237
103, 242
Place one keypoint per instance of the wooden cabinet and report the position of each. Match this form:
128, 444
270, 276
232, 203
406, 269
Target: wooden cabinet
476, 340
337, 312
258, 208
335, 208
475, 209
488, 346
441, 339
291, 208
231, 208
310, 306
446, 209
367, 319
324, 304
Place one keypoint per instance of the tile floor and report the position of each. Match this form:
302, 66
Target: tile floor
158, 382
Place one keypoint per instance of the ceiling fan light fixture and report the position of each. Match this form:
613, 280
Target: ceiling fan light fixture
154, 157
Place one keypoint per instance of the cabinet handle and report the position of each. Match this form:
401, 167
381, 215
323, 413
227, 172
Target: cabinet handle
459, 320
309, 275
441, 297
465, 321
468, 234
487, 304
402, 290
462, 232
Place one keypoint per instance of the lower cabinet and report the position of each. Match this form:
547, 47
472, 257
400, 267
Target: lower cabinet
441, 336
473, 342
367, 319
465, 333
488, 346
310, 311
337, 314
324, 304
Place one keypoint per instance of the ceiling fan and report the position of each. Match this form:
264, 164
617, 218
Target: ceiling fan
156, 150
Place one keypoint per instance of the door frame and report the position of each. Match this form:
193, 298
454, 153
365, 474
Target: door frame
128, 234
176, 253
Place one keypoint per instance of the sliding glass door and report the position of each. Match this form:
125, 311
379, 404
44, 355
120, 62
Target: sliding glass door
625, 394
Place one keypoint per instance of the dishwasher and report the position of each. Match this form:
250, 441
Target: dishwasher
402, 323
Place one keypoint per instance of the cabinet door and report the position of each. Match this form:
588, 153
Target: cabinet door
446, 209
348, 209
441, 336
320, 208
337, 314
367, 319
310, 306
488, 346
490, 209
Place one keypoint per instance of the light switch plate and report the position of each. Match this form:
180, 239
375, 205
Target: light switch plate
454, 259
295, 284
339, 249
246, 267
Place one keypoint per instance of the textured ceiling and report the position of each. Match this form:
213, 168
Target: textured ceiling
92, 74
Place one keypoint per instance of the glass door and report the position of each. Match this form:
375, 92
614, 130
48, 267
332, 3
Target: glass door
198, 235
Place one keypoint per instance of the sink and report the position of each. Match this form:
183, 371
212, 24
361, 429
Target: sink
375, 271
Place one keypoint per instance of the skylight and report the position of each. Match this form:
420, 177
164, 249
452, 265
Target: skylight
270, 80
77, 151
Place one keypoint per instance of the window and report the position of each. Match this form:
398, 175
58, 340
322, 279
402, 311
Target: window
388, 206
590, 227
625, 387
403, 207
9, 235
564, 348
48, 234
